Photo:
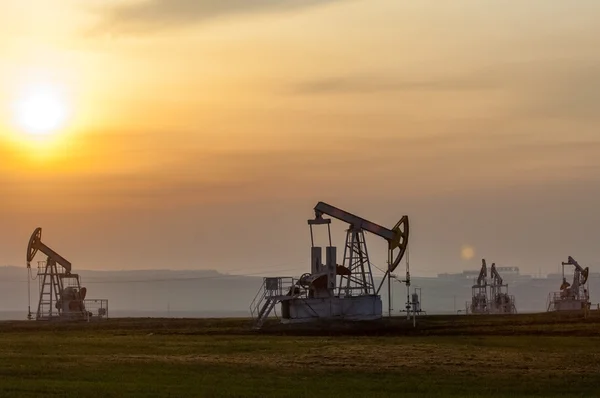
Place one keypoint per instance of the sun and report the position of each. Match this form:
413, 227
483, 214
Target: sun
41, 111
467, 252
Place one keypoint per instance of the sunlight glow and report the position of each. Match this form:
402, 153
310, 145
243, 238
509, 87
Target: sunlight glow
41, 111
467, 252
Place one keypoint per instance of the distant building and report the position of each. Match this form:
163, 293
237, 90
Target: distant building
508, 270
508, 273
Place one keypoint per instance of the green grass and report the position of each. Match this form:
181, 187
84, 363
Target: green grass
521, 356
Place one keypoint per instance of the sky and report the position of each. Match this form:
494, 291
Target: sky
200, 134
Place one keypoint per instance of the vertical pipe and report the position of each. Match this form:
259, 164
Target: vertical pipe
389, 296
316, 260
407, 285
414, 315
28, 292
408, 301
51, 288
389, 276
331, 261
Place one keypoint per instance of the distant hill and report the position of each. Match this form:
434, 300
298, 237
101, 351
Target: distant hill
208, 293
146, 292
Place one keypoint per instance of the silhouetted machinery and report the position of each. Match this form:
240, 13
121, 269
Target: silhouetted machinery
575, 296
500, 302
493, 297
60, 293
479, 302
331, 290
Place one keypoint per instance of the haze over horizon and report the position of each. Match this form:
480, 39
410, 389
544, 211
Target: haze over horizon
200, 134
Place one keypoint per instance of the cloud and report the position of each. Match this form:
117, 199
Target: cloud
545, 88
167, 14
377, 84
574, 93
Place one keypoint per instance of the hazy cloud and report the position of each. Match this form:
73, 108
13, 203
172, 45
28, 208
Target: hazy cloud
553, 88
379, 84
161, 14
575, 93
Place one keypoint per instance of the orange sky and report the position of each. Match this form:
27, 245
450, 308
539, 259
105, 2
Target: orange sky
201, 134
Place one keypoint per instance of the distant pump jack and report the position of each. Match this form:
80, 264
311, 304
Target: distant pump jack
61, 296
493, 297
572, 296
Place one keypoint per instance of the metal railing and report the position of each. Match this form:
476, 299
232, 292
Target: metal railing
96, 309
271, 288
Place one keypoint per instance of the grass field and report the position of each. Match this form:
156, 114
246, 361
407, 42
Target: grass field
445, 356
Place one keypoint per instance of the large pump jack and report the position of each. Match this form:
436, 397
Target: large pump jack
356, 248
320, 294
61, 295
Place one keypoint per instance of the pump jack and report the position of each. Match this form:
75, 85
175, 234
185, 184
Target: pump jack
330, 290
61, 295
397, 239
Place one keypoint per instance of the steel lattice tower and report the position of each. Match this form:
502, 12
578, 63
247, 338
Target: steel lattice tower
356, 260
